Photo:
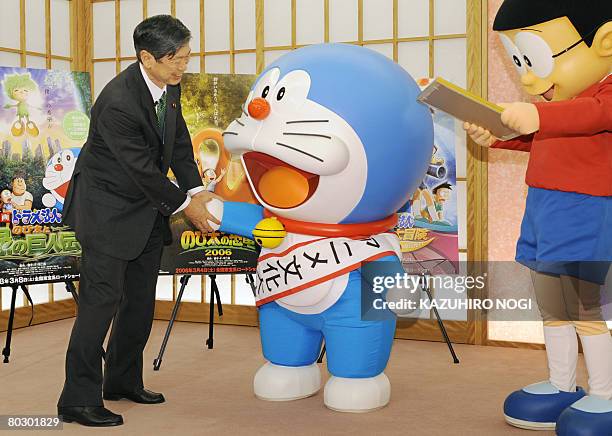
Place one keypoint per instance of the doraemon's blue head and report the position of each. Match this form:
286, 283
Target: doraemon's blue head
333, 133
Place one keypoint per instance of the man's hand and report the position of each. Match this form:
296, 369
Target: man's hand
521, 117
479, 135
197, 212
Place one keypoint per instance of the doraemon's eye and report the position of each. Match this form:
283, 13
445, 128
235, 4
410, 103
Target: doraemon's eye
527, 61
68, 158
281, 94
265, 92
514, 53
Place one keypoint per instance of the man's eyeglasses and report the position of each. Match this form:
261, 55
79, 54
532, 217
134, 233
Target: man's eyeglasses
175, 61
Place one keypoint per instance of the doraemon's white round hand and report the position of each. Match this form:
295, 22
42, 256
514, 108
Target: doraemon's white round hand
215, 208
48, 200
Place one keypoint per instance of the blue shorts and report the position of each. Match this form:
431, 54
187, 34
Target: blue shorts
566, 233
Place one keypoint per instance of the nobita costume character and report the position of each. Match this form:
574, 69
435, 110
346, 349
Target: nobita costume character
333, 143
563, 53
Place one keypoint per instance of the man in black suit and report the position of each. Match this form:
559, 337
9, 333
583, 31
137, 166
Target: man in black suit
119, 204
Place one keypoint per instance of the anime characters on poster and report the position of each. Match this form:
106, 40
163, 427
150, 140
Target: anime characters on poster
43, 123
333, 143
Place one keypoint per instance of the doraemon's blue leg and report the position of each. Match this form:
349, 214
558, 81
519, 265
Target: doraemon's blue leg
358, 352
291, 343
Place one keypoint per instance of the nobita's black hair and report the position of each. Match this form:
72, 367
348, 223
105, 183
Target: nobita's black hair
442, 186
160, 35
585, 15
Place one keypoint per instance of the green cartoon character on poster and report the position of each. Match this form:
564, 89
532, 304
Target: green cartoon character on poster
18, 88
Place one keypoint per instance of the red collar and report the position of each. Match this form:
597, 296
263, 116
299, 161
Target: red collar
336, 230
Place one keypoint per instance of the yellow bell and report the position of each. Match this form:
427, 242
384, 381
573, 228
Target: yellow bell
269, 233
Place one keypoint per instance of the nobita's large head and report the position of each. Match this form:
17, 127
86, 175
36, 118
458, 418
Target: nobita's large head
559, 47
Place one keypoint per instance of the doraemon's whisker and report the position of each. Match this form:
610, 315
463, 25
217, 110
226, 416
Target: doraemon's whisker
307, 121
229, 133
244, 111
239, 122
300, 151
307, 134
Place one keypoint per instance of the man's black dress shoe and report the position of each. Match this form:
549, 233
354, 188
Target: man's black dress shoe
91, 416
141, 396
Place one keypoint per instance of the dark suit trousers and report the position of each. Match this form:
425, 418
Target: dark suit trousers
123, 292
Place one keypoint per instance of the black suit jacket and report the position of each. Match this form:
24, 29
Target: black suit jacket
120, 182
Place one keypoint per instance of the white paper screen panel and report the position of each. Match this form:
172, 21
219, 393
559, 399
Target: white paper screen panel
35, 62
39, 293
60, 27
159, 7
450, 60
35, 25
60, 292
310, 22
277, 23
271, 56
163, 290
414, 57
59, 64
103, 73
219, 64
188, 11
446, 13
216, 25
377, 19
246, 63
412, 18
244, 24
131, 15
193, 290
343, 20
9, 30
104, 30
9, 59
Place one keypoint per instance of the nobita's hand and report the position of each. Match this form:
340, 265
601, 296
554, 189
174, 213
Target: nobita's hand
523, 118
479, 135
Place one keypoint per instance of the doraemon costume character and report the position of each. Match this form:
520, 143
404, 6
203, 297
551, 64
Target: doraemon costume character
333, 143
58, 174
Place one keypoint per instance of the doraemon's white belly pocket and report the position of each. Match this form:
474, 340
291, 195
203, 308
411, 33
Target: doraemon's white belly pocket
317, 298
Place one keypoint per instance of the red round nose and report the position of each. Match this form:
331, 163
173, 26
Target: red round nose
58, 167
259, 108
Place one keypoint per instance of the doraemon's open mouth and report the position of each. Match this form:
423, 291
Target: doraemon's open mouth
277, 183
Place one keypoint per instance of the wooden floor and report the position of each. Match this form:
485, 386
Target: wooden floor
210, 391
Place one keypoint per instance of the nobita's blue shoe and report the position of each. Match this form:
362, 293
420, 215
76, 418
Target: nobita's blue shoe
538, 406
589, 416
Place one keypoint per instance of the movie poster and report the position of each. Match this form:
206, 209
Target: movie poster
427, 225
210, 102
43, 124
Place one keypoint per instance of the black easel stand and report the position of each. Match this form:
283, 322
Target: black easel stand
214, 292
6, 352
425, 287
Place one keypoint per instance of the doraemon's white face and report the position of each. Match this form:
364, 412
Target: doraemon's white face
59, 171
302, 160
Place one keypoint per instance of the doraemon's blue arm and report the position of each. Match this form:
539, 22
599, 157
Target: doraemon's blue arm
240, 218
390, 268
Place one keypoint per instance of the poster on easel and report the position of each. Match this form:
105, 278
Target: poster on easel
427, 224
43, 124
210, 102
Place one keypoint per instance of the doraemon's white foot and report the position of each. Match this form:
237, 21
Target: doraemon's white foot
357, 394
286, 383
